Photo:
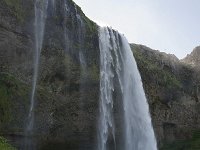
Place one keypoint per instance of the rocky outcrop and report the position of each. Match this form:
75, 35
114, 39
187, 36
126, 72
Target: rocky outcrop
172, 90
193, 58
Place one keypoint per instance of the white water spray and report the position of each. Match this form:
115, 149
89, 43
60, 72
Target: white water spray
40, 17
139, 134
106, 121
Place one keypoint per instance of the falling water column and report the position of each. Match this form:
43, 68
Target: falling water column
106, 121
139, 134
117, 61
39, 25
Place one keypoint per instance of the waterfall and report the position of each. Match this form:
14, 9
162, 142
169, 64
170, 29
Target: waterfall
53, 4
67, 43
117, 61
82, 59
106, 121
139, 134
39, 25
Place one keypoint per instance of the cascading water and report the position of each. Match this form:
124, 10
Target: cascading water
106, 121
82, 59
139, 133
67, 43
81, 32
117, 61
53, 6
40, 17
53, 3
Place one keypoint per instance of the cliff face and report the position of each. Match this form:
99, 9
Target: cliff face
193, 58
67, 94
68, 83
172, 90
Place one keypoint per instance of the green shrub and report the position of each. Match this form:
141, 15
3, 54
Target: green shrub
4, 144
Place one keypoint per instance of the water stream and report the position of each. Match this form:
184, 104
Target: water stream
106, 120
39, 25
117, 61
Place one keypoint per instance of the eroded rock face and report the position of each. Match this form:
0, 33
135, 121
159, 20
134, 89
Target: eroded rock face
172, 90
67, 94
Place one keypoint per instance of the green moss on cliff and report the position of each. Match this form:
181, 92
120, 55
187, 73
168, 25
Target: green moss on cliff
164, 76
156, 75
16, 9
90, 25
12, 92
190, 144
4, 144
6, 84
94, 73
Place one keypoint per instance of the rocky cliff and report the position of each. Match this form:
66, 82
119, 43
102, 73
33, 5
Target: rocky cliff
172, 90
193, 58
67, 91
67, 94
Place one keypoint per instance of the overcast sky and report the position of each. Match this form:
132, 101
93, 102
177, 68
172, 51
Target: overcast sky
172, 26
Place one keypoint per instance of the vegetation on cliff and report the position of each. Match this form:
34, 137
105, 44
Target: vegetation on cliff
172, 91
16, 9
156, 74
4, 144
189, 144
13, 92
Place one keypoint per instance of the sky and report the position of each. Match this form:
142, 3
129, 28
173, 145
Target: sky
171, 26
